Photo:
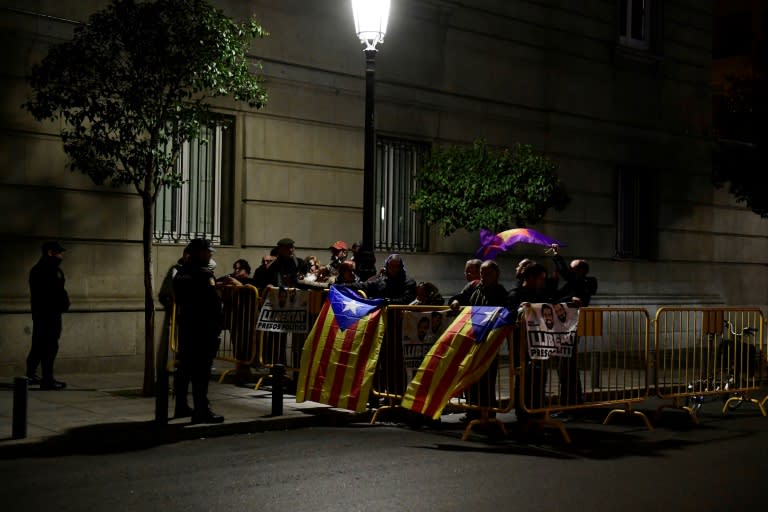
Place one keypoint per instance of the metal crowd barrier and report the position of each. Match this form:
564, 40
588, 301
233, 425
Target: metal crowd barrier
284, 348
699, 358
391, 377
238, 336
489, 396
609, 366
693, 358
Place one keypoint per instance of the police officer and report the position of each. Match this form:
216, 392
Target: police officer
49, 300
199, 317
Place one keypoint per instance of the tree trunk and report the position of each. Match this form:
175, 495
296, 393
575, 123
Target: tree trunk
148, 387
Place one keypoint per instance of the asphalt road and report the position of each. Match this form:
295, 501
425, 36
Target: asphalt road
720, 464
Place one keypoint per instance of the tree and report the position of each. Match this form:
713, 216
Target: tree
741, 151
132, 86
480, 187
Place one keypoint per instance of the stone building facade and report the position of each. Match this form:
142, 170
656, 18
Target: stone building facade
616, 92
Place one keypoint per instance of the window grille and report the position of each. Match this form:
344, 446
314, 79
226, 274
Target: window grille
397, 226
194, 210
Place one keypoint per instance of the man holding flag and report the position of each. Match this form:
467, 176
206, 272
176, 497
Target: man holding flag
489, 293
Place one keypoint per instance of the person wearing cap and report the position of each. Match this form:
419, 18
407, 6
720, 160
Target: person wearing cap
338, 254
287, 268
49, 299
200, 319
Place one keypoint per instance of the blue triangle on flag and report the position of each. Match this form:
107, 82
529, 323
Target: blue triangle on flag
349, 307
487, 318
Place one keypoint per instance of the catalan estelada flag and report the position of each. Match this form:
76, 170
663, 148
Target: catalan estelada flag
341, 351
458, 358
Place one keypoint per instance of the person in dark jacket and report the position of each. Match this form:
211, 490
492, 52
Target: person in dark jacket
488, 293
49, 299
472, 275
578, 290
392, 284
532, 289
579, 286
199, 317
287, 269
395, 287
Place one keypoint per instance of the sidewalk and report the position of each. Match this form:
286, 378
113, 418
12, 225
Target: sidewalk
98, 412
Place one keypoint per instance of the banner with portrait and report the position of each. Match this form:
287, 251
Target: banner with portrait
421, 329
551, 330
284, 310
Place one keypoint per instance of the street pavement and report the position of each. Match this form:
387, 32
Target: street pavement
106, 412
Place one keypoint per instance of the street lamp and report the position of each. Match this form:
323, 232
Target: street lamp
370, 25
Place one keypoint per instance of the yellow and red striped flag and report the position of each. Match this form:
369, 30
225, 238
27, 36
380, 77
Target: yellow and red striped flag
458, 358
341, 351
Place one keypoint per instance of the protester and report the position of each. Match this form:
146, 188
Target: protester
579, 286
395, 287
490, 292
472, 270
427, 294
347, 273
578, 290
353, 250
260, 274
472, 275
287, 268
532, 277
199, 317
365, 265
338, 254
49, 299
393, 284
241, 274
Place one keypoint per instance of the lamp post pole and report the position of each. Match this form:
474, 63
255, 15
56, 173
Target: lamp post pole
369, 165
371, 17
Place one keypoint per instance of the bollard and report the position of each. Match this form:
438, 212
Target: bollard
278, 372
161, 397
20, 385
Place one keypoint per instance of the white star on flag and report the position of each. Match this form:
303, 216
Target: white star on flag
352, 306
489, 316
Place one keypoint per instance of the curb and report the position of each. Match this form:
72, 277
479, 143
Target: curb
130, 436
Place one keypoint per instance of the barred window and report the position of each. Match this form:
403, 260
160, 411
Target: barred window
635, 23
397, 226
199, 207
636, 208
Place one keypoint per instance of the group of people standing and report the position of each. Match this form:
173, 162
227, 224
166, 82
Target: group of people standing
192, 285
533, 285
199, 306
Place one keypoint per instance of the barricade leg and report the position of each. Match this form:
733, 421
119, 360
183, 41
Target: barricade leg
762, 403
484, 419
628, 410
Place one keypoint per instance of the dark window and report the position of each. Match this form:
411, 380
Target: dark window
636, 208
397, 226
635, 23
202, 206
732, 35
